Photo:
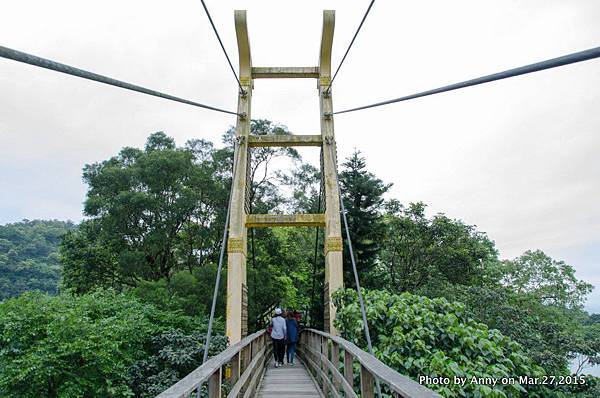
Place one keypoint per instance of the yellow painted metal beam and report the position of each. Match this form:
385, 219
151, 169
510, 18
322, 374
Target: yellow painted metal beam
284, 140
285, 220
285, 72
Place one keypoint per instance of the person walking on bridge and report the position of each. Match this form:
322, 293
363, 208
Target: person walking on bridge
278, 334
292, 336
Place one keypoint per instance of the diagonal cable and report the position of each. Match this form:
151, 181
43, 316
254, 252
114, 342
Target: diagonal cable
19, 56
522, 70
221, 255
222, 46
350, 45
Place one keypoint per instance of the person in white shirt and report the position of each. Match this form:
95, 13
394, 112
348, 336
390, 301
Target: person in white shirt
278, 333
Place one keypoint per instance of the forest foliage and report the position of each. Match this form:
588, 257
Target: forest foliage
29, 256
102, 344
417, 336
150, 242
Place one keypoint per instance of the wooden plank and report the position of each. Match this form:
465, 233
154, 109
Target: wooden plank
285, 72
367, 383
235, 369
337, 379
245, 358
287, 140
256, 378
287, 381
243, 380
321, 376
324, 362
284, 220
214, 384
337, 376
335, 362
349, 368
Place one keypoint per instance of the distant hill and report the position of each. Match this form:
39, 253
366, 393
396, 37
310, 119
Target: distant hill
29, 256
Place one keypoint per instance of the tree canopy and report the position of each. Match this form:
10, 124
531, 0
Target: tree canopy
150, 242
29, 256
94, 345
152, 212
418, 251
549, 281
362, 193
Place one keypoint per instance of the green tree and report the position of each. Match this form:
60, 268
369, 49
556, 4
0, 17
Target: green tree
28, 256
85, 346
551, 282
264, 195
362, 193
550, 335
537, 302
152, 212
304, 182
587, 351
420, 253
190, 293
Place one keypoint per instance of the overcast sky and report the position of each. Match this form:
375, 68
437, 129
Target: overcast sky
518, 158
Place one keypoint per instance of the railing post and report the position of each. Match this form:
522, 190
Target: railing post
335, 360
366, 383
214, 384
311, 343
235, 369
324, 367
349, 368
245, 358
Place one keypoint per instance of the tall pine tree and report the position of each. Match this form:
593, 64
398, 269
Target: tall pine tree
362, 193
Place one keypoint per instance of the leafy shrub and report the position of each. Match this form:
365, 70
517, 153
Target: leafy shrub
418, 336
174, 354
82, 346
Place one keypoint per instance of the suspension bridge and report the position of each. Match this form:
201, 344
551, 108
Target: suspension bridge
330, 365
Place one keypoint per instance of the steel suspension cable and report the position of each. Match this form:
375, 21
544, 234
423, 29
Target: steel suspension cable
34, 60
222, 46
353, 260
536, 67
221, 256
351, 43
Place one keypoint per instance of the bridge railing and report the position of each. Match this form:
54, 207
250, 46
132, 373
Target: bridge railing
331, 360
235, 372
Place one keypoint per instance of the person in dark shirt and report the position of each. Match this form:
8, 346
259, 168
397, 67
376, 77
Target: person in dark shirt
291, 326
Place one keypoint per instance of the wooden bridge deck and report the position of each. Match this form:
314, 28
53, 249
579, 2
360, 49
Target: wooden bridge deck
250, 359
288, 381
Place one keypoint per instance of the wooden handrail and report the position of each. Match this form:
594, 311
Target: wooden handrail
314, 349
245, 362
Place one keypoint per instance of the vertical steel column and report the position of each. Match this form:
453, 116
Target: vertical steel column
237, 243
333, 234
